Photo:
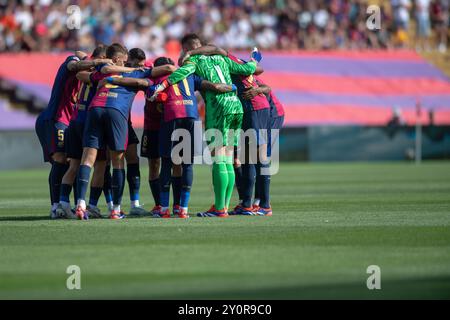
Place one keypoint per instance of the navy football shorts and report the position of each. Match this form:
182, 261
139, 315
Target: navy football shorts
51, 136
150, 144
74, 145
43, 133
167, 145
106, 127
74, 142
259, 121
276, 123
132, 136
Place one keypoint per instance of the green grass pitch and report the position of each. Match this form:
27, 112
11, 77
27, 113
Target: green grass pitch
331, 221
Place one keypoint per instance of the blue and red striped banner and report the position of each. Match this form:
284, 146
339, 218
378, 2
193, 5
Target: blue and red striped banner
335, 87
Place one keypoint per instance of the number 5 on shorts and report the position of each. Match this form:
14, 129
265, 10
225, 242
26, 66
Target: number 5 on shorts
61, 135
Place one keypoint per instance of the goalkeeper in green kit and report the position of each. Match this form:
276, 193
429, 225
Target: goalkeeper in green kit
223, 118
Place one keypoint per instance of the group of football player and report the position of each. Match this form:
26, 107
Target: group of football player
86, 128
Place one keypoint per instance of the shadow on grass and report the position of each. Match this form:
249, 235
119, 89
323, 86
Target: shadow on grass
43, 218
421, 288
24, 218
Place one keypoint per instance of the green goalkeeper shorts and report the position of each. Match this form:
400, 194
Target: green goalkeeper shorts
224, 130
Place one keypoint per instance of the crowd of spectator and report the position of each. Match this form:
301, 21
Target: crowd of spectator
155, 25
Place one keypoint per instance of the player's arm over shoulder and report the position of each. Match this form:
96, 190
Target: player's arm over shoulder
129, 82
183, 72
84, 76
206, 50
111, 68
262, 87
75, 64
245, 69
216, 87
162, 70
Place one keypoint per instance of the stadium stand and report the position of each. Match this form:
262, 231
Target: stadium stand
40, 25
331, 87
326, 66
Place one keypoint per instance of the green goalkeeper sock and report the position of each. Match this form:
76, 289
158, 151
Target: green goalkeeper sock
231, 177
220, 182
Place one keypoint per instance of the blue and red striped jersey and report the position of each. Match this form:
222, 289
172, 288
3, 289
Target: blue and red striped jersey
63, 97
114, 96
181, 101
85, 95
244, 83
276, 108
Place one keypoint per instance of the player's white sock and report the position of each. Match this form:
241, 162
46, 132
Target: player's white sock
164, 209
81, 203
135, 204
65, 204
116, 208
185, 209
256, 202
240, 202
110, 205
54, 206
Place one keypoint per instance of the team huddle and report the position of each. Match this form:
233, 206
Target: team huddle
86, 128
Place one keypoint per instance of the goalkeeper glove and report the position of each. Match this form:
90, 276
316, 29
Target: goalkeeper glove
256, 55
157, 89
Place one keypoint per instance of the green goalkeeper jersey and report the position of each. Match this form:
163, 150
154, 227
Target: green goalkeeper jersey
216, 69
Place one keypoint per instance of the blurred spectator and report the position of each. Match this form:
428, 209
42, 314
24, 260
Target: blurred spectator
440, 10
431, 117
422, 9
397, 119
395, 122
401, 13
41, 25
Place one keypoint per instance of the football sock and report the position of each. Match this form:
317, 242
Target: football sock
107, 187
220, 181
54, 206
155, 187
83, 175
110, 205
64, 194
248, 183
134, 181
135, 204
59, 169
265, 186
118, 184
52, 201
231, 179
258, 183
176, 189
186, 185
94, 195
74, 188
164, 176
238, 180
